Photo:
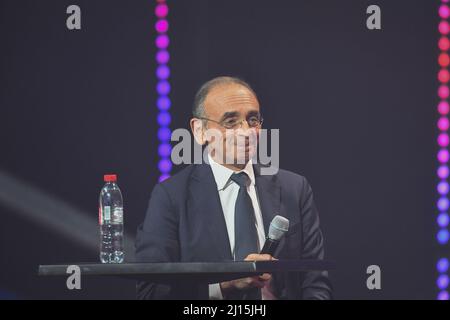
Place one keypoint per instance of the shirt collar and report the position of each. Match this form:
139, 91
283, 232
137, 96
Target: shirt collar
222, 174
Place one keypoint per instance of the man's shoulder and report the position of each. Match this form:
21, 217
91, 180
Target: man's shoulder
180, 178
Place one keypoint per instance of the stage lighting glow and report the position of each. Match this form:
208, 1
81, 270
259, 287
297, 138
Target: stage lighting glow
442, 188
443, 123
164, 119
443, 156
162, 41
443, 75
163, 72
444, 27
442, 265
443, 204
442, 281
444, 60
443, 295
443, 108
164, 134
163, 87
444, 11
442, 220
165, 165
162, 57
164, 150
442, 236
163, 103
161, 10
443, 172
162, 26
443, 92
444, 44
163, 177
443, 140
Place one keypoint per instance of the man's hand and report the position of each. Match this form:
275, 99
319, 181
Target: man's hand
249, 282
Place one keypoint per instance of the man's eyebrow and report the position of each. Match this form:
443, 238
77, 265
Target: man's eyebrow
253, 113
230, 114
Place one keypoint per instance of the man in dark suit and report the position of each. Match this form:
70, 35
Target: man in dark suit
221, 210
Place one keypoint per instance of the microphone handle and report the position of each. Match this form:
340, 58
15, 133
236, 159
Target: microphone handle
270, 246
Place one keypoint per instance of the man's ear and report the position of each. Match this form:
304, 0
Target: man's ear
197, 130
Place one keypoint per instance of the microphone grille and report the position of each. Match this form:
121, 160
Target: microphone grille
278, 227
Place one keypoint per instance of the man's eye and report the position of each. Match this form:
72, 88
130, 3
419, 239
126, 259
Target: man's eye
230, 122
253, 121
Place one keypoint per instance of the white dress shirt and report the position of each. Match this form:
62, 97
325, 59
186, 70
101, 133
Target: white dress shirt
228, 192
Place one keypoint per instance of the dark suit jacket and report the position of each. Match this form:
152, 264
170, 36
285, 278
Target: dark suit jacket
185, 223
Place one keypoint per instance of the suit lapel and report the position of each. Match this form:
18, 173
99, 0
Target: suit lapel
204, 202
269, 196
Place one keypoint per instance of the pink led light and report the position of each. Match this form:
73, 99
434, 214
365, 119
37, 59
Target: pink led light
444, 60
443, 156
162, 41
443, 140
443, 172
443, 75
443, 124
444, 27
443, 108
444, 43
444, 11
162, 26
443, 92
161, 10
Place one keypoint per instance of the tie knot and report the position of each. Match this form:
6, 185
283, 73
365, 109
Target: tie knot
240, 178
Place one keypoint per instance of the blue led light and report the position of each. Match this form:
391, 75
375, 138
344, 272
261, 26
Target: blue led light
442, 265
164, 119
163, 87
442, 236
165, 165
443, 204
163, 103
443, 295
443, 220
442, 281
164, 134
164, 150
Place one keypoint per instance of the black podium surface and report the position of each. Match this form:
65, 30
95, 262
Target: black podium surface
199, 272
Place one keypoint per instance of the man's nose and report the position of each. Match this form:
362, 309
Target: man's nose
244, 125
245, 129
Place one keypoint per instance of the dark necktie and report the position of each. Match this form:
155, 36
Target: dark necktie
245, 234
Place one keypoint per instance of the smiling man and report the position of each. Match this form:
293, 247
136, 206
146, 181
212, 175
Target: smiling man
221, 210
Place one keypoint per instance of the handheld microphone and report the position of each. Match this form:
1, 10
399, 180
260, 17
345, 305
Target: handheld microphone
278, 227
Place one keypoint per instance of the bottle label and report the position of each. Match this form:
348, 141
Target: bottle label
107, 213
117, 216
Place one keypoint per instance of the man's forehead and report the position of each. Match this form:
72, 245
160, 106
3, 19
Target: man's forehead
226, 97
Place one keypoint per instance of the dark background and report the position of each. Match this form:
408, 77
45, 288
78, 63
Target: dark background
355, 108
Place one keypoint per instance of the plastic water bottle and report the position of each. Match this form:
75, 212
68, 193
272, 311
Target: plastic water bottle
111, 221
